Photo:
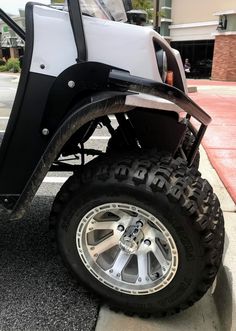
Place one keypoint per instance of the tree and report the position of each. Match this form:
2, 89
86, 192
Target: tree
146, 5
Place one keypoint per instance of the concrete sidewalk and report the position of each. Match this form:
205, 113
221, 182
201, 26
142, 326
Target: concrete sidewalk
218, 99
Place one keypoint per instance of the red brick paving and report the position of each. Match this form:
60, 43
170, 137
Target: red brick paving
220, 139
207, 82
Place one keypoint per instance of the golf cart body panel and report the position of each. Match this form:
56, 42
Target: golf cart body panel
125, 46
48, 110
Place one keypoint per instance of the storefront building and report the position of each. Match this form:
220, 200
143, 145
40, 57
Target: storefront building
203, 32
11, 45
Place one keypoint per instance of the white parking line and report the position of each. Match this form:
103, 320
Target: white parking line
7, 89
7, 118
52, 180
99, 137
93, 137
61, 180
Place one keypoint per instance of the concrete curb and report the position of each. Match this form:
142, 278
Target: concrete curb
212, 312
192, 89
15, 77
202, 317
225, 291
10, 74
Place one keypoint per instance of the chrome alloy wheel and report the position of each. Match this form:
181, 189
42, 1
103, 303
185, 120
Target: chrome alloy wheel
127, 248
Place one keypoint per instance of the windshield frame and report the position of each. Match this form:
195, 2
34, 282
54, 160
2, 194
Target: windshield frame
104, 9
93, 8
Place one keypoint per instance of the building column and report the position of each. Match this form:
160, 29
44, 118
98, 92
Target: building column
224, 60
165, 19
14, 52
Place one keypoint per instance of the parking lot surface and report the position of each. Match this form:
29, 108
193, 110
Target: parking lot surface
37, 291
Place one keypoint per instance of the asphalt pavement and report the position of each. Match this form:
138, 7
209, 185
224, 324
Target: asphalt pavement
36, 290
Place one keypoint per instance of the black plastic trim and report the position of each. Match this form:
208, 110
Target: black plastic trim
29, 44
27, 143
101, 105
87, 77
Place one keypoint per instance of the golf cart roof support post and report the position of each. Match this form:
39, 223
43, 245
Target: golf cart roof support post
15, 27
78, 29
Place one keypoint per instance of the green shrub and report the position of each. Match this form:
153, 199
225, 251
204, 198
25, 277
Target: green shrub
13, 65
3, 68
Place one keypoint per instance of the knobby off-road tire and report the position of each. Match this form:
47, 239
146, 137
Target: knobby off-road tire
188, 142
178, 214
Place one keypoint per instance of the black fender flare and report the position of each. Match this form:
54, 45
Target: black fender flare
101, 105
103, 90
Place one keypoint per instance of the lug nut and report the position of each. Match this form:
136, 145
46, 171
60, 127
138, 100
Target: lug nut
139, 223
147, 242
120, 228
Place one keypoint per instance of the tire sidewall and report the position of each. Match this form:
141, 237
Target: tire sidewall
170, 213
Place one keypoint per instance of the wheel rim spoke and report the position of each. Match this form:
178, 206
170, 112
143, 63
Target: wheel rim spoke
107, 225
105, 245
120, 263
160, 257
124, 217
142, 267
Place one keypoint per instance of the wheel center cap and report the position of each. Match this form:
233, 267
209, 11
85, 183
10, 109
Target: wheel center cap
131, 239
128, 245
